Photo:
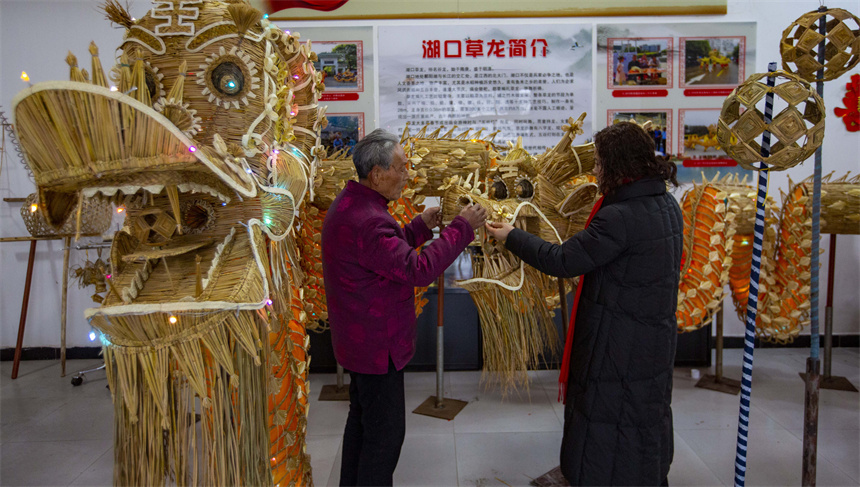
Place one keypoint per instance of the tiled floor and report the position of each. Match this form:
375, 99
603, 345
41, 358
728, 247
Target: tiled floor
54, 434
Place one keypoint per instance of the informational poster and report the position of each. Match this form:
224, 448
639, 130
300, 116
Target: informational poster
345, 57
518, 80
676, 76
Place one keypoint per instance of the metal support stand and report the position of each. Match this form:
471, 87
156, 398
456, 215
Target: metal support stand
828, 381
810, 405
554, 478
25, 303
438, 406
79, 376
335, 392
67, 242
717, 382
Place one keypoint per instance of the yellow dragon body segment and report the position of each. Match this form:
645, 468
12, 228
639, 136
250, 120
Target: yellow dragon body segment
718, 236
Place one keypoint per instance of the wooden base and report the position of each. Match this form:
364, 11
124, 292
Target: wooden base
833, 383
553, 478
449, 409
332, 393
728, 386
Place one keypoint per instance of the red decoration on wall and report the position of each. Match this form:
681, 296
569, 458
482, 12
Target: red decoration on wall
323, 5
851, 113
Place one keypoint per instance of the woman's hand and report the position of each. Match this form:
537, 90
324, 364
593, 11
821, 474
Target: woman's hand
499, 230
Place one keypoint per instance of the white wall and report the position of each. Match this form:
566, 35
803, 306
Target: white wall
35, 36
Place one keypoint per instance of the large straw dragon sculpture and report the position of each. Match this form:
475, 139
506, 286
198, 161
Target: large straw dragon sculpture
210, 142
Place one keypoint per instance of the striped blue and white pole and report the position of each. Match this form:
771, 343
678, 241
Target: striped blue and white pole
752, 302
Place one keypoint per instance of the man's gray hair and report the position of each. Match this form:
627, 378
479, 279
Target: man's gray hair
375, 149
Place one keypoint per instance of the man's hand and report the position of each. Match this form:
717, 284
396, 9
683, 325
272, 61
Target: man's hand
432, 217
476, 215
499, 230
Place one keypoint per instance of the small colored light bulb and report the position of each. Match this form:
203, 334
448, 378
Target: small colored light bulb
192, 148
268, 302
114, 88
34, 208
265, 16
25, 77
92, 336
275, 151
108, 276
172, 320
120, 209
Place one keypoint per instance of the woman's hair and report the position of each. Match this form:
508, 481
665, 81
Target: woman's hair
376, 149
624, 153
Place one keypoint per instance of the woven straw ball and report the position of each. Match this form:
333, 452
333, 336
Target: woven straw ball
800, 41
796, 131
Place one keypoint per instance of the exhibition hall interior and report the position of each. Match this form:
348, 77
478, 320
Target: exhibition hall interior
355, 242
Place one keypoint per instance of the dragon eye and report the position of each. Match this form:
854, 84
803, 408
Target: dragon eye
227, 78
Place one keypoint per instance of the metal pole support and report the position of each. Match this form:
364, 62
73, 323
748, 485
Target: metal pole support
437, 406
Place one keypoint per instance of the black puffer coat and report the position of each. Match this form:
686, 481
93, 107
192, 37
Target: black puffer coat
618, 417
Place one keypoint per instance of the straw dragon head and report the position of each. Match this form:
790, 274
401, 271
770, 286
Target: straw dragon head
206, 141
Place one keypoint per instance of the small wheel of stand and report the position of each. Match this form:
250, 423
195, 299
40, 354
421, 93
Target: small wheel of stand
77, 380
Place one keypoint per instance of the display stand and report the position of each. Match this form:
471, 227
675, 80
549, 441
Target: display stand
813, 363
717, 382
828, 381
25, 303
438, 406
67, 241
554, 478
335, 392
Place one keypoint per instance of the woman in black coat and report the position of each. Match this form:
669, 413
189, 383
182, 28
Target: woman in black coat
618, 362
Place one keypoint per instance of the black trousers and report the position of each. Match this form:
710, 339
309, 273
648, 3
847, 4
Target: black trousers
375, 428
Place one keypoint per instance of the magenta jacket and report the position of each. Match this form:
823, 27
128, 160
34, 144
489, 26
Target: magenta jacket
371, 268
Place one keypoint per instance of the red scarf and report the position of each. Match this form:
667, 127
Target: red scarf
568, 343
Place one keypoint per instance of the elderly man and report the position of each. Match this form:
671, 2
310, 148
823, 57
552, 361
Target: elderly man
371, 269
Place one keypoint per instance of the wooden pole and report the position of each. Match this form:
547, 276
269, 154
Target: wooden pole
828, 310
67, 243
25, 302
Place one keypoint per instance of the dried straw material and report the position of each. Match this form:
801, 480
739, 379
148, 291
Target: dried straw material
436, 158
94, 219
565, 161
117, 13
797, 131
800, 43
718, 238
203, 313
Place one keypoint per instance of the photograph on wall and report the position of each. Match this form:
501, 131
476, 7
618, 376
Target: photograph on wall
660, 130
699, 126
522, 80
696, 53
712, 61
699, 150
341, 65
639, 62
343, 131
